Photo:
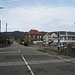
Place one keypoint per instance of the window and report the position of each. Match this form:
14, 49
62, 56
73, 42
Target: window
33, 36
73, 38
38, 36
29, 36
69, 38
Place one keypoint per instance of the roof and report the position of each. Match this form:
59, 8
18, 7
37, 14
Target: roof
35, 32
47, 34
64, 33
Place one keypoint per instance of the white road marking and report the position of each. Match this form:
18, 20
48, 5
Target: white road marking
46, 61
12, 63
19, 50
10, 52
63, 58
27, 64
2, 48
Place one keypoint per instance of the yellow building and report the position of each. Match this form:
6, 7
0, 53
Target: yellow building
47, 38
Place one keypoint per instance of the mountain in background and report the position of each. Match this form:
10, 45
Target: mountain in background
14, 34
17, 34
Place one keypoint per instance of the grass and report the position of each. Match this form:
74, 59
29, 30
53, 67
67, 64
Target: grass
59, 52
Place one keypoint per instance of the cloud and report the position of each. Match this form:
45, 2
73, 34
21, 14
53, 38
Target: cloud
13, 0
42, 18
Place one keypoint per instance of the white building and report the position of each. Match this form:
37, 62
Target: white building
64, 37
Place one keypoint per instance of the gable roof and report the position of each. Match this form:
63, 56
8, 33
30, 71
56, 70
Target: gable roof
35, 32
47, 34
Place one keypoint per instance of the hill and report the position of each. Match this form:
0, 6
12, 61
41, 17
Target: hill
14, 34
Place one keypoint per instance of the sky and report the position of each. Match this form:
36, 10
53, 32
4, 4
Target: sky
42, 15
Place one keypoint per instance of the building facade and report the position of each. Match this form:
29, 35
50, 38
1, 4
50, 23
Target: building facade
64, 37
46, 38
33, 35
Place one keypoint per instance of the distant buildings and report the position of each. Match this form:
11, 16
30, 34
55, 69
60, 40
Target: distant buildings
33, 35
47, 38
64, 37
60, 37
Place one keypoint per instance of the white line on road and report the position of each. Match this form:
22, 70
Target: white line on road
19, 50
27, 64
63, 58
10, 52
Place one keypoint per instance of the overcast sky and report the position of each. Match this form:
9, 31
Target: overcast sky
43, 15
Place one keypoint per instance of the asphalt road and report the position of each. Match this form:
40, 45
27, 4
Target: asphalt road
20, 60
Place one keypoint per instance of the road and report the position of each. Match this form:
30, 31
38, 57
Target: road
20, 60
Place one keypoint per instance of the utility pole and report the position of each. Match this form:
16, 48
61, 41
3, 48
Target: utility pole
58, 40
67, 41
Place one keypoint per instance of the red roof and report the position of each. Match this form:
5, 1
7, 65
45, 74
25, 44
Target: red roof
36, 32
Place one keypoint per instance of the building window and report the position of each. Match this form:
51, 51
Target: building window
64, 37
69, 38
73, 38
33, 36
61, 38
29, 36
38, 36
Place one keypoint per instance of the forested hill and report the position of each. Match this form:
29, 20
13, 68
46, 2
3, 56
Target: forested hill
14, 34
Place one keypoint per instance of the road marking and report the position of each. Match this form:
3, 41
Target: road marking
46, 61
27, 64
12, 63
63, 59
19, 50
10, 52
